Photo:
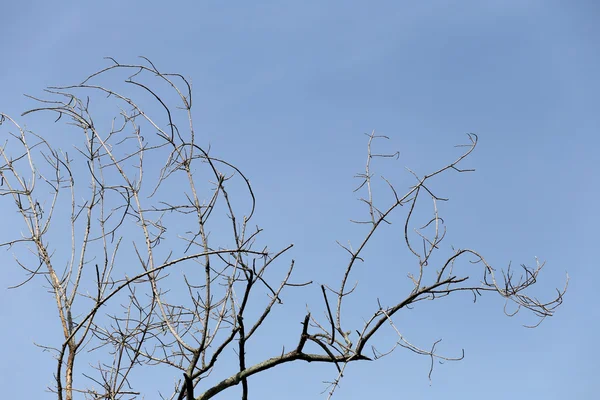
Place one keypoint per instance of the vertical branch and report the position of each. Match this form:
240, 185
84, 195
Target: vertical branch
242, 355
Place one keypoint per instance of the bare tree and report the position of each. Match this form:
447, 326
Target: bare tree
144, 237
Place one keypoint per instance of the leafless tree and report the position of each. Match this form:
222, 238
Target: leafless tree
144, 237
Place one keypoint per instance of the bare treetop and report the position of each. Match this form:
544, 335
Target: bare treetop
147, 241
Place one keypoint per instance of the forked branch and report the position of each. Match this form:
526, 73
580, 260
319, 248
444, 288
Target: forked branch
145, 239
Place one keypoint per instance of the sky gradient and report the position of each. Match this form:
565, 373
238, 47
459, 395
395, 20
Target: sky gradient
286, 90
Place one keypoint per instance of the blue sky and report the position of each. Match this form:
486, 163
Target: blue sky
287, 89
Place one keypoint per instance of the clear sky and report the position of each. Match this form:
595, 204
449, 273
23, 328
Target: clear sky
287, 90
